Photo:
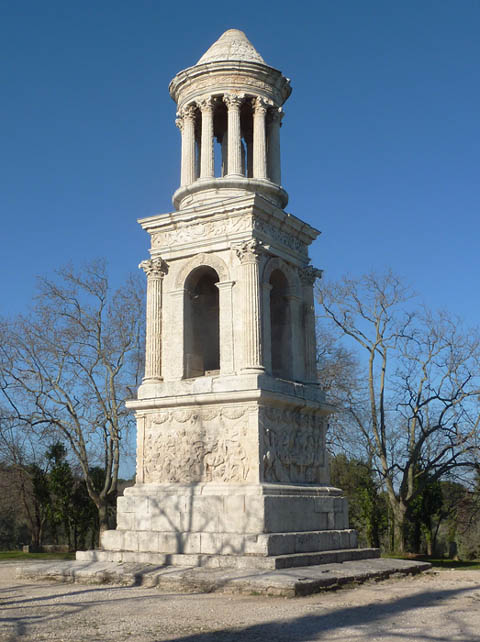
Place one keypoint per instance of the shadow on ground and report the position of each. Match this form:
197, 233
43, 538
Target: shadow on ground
374, 620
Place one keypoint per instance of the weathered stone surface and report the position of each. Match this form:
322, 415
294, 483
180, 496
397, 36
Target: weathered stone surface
289, 582
232, 468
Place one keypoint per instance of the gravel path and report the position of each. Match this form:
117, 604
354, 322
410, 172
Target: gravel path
435, 607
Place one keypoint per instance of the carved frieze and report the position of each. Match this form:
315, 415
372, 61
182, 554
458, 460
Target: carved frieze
293, 445
196, 445
187, 232
279, 235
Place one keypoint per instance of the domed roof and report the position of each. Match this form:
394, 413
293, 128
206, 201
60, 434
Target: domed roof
232, 45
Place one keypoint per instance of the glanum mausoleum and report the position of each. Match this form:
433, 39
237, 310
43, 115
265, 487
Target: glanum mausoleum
232, 468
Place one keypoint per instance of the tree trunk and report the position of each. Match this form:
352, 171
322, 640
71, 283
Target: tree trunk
103, 515
399, 516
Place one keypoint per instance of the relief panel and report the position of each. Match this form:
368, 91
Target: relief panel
208, 444
293, 446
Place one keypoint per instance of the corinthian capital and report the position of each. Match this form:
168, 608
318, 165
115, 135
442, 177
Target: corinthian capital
179, 122
207, 103
154, 268
260, 105
233, 101
249, 251
309, 274
189, 111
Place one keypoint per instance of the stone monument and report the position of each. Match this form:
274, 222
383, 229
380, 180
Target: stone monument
232, 468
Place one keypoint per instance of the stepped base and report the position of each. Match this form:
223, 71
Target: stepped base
231, 561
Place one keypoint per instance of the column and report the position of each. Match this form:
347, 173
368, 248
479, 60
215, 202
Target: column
227, 346
186, 124
260, 107
249, 255
274, 121
224, 144
308, 275
207, 163
248, 135
234, 102
294, 302
155, 269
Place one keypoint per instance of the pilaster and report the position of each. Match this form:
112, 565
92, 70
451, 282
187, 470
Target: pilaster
249, 255
155, 269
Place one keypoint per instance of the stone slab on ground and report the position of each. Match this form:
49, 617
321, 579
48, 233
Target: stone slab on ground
286, 582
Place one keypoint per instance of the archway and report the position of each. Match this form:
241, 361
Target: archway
201, 323
280, 326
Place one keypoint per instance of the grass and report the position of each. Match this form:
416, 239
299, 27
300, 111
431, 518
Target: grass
440, 562
20, 555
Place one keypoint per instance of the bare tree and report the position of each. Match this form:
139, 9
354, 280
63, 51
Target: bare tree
67, 368
417, 408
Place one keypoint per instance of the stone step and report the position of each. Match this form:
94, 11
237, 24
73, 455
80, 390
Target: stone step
323, 557
231, 561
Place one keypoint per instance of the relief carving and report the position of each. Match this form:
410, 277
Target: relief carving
293, 446
283, 237
184, 446
186, 232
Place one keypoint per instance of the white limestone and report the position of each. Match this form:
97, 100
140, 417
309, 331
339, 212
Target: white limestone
231, 456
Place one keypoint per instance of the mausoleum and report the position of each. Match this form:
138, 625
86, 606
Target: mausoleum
232, 468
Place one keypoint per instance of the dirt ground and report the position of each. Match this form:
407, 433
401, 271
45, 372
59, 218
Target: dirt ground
435, 607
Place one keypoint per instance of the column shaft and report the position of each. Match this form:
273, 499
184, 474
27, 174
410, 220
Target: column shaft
207, 163
249, 256
233, 103
259, 139
188, 145
274, 168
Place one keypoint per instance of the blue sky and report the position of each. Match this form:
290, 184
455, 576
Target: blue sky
380, 142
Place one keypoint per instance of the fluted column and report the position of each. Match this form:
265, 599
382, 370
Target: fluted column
308, 275
274, 121
249, 255
207, 162
186, 124
234, 102
260, 107
155, 269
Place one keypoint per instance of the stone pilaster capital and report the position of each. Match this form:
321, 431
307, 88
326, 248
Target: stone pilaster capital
179, 122
206, 104
309, 274
189, 111
233, 101
154, 268
249, 251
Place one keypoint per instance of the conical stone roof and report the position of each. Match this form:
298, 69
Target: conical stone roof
232, 45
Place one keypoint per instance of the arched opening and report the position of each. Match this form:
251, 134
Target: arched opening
201, 323
280, 326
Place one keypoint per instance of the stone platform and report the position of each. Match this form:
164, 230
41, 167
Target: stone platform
255, 562
287, 582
